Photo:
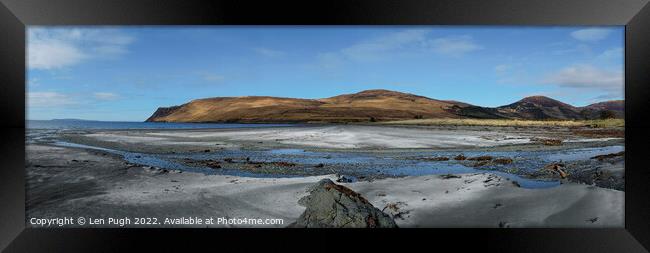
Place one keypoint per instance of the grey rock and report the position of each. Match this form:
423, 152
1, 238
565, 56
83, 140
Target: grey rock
344, 179
331, 205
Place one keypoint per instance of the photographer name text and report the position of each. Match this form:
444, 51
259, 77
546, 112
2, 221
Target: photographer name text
150, 221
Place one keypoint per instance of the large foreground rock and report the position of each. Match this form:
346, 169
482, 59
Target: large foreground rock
332, 205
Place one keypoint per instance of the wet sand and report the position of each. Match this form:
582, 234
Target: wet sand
378, 148
77, 182
347, 138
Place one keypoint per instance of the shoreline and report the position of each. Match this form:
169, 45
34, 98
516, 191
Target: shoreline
425, 201
256, 151
76, 181
350, 138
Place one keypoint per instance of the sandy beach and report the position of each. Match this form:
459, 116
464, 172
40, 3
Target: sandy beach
348, 137
74, 181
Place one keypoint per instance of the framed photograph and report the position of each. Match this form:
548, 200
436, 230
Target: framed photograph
519, 125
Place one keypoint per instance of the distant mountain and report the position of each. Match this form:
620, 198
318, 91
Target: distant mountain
616, 107
369, 105
613, 105
540, 107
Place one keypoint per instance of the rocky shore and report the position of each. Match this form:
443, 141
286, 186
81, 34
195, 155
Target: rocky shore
330, 149
80, 182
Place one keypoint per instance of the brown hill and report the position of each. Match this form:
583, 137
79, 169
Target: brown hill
370, 105
534, 107
613, 105
543, 101
613, 108
540, 107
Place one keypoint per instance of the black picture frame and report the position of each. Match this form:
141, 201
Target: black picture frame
15, 15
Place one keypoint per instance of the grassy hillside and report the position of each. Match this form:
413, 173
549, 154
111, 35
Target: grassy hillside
380, 106
366, 106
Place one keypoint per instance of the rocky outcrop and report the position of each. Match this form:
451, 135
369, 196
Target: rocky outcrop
162, 112
331, 205
609, 156
557, 168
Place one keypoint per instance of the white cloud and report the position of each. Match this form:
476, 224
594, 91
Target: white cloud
454, 45
399, 43
53, 48
588, 77
373, 49
591, 34
269, 52
53, 54
613, 53
105, 96
49, 99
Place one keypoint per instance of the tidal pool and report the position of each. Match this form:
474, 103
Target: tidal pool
362, 164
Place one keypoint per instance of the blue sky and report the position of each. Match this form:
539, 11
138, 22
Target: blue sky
125, 73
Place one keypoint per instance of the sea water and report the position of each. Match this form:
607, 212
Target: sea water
91, 124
